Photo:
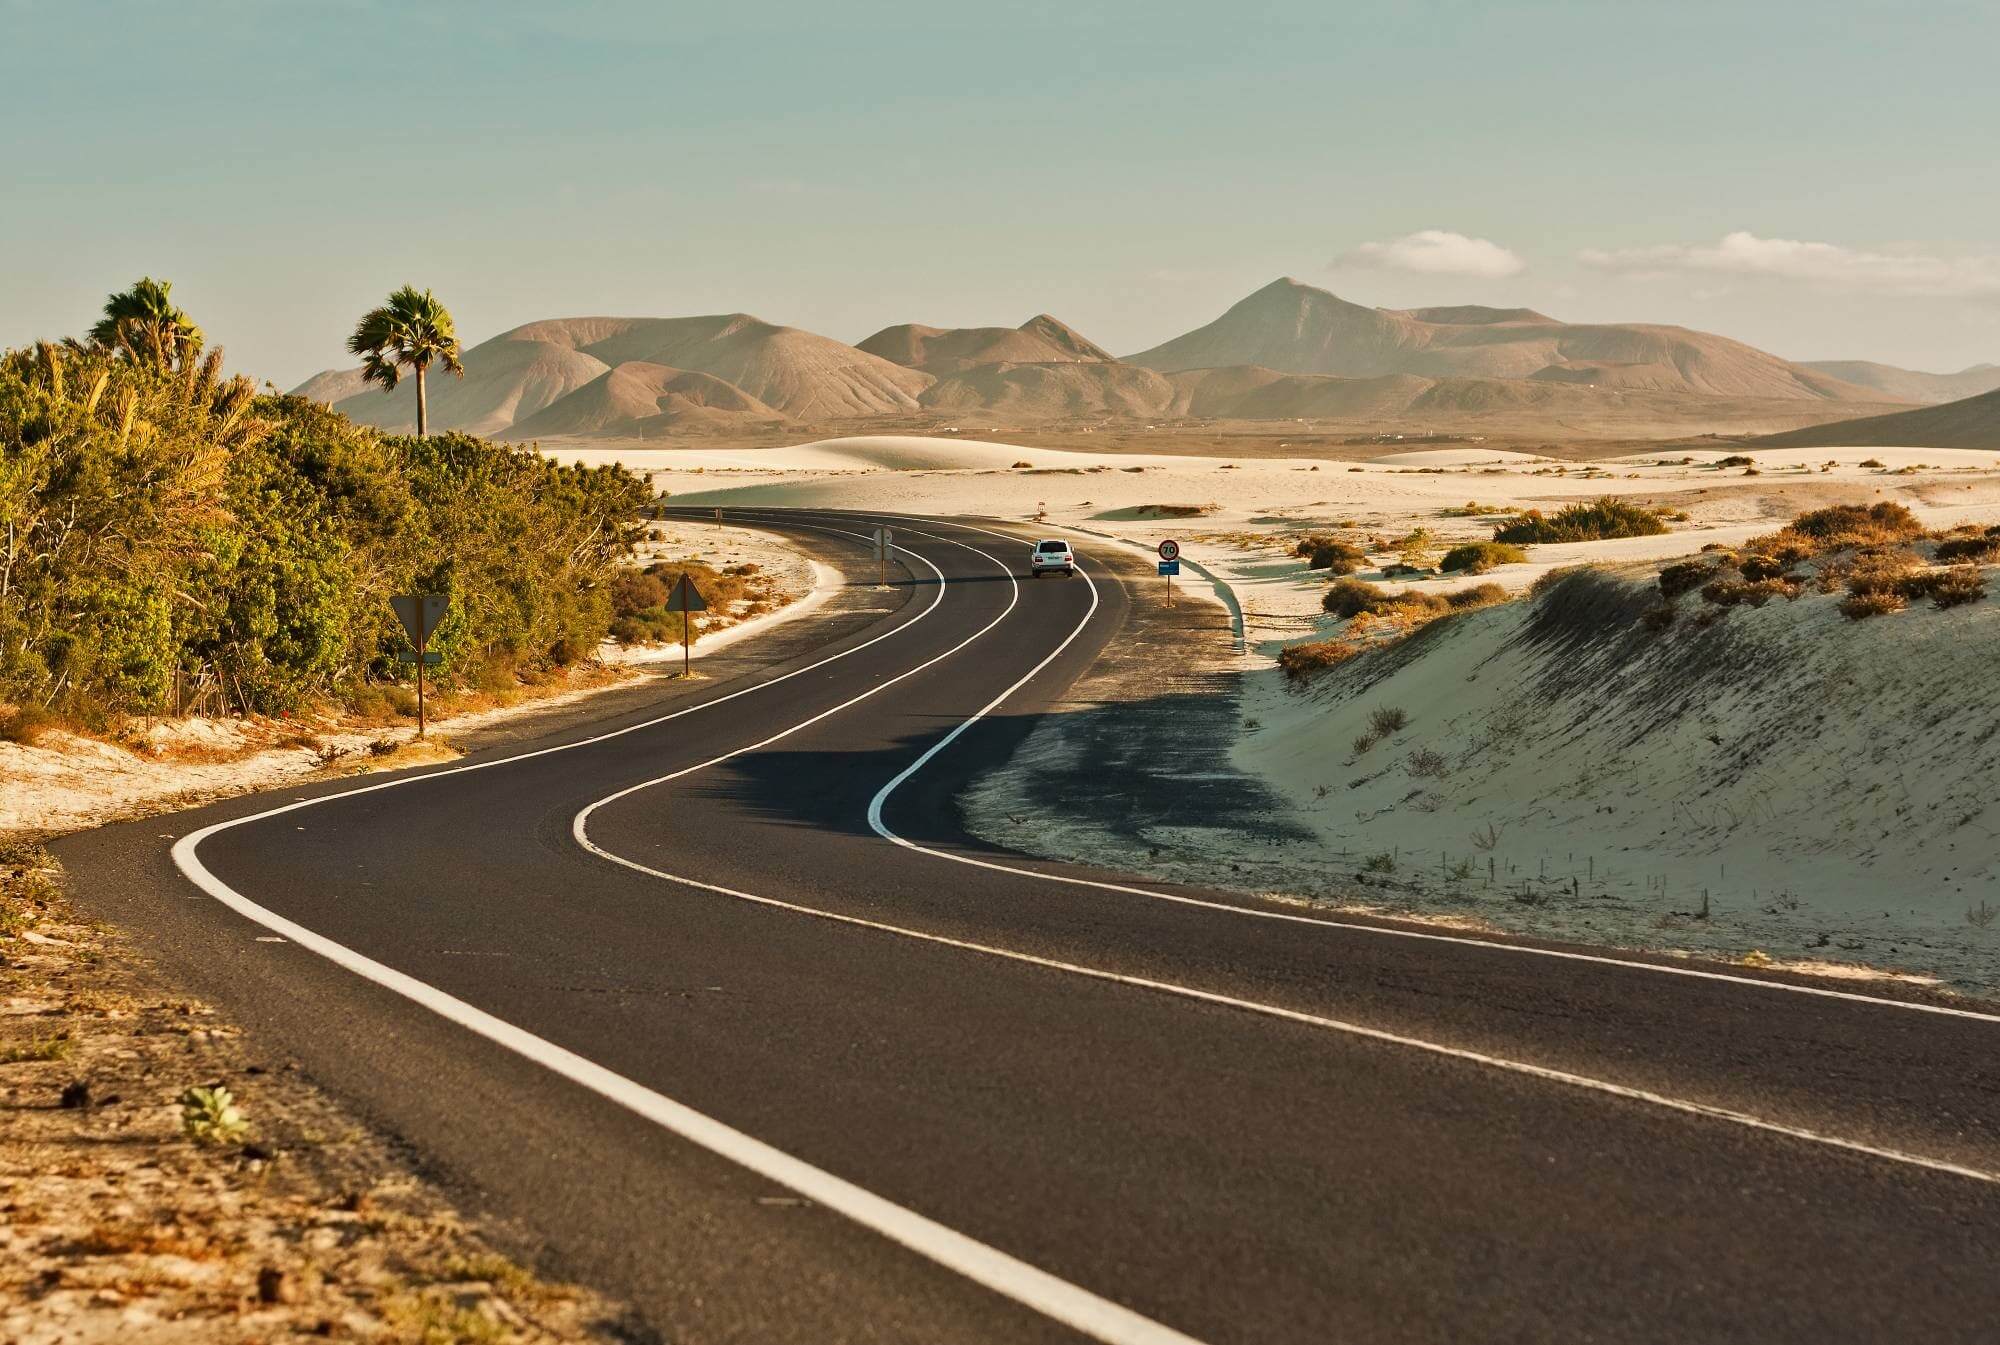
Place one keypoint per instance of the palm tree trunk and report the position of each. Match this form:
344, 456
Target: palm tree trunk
423, 406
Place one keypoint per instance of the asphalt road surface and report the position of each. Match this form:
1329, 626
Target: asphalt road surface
717, 1004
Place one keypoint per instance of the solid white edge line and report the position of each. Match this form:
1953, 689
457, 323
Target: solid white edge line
1580, 1081
1352, 926
1053, 1297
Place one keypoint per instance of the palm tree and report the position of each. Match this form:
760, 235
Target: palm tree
145, 323
409, 332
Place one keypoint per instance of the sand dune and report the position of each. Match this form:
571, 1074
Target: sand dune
641, 401
1909, 384
1971, 423
938, 350
1296, 328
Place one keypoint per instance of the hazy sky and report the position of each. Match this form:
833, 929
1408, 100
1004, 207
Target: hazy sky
1815, 178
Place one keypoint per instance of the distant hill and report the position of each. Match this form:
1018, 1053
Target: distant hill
638, 400
950, 350
1908, 384
1971, 423
517, 373
1299, 329
1289, 352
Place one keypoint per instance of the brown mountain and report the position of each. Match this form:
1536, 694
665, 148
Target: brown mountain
642, 401
949, 350
1971, 423
1908, 384
1299, 329
518, 373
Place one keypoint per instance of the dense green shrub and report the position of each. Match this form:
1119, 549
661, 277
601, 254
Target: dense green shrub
1480, 557
168, 540
1584, 521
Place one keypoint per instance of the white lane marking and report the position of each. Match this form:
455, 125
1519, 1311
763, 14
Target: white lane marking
1522, 1067
1348, 926
1078, 1308
1582, 1081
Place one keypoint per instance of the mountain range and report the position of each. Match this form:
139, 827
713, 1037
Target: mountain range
1288, 352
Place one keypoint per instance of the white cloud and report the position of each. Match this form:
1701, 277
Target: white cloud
1437, 252
1825, 264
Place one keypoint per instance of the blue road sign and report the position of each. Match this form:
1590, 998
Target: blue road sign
1170, 568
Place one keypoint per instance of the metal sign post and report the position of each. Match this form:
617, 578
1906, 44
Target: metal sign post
885, 542
1170, 565
421, 613
687, 600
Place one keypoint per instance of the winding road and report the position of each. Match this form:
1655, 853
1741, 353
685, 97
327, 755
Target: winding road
716, 1002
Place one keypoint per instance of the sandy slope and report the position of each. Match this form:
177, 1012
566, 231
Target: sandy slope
1973, 423
1910, 384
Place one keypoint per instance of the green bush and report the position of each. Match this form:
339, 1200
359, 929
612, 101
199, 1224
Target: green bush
179, 543
1584, 521
1480, 557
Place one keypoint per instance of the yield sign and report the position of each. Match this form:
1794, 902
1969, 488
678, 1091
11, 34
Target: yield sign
420, 614
686, 597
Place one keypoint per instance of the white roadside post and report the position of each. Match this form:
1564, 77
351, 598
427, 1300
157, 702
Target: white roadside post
885, 541
1170, 565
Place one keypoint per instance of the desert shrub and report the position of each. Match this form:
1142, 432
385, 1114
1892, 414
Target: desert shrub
1480, 557
1329, 553
1856, 606
1382, 863
1427, 763
1871, 462
1968, 548
1471, 599
1584, 521
1659, 617
1387, 719
1957, 585
1684, 577
1762, 567
1172, 510
1737, 460
1755, 592
1024, 464
1857, 524
1551, 578
1349, 597
1301, 661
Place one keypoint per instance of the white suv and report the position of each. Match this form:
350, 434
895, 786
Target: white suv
1051, 555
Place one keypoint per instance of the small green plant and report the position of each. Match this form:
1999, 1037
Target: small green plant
1387, 719
1382, 863
47, 1048
1329, 553
210, 1116
1461, 871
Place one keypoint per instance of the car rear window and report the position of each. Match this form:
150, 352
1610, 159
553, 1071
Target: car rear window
1053, 546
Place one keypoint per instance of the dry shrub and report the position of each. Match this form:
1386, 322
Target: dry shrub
1737, 460
1301, 661
1968, 548
1684, 577
1544, 582
29, 724
1584, 521
1329, 553
1480, 557
1658, 618
1387, 719
1472, 599
1856, 606
1755, 592
1172, 510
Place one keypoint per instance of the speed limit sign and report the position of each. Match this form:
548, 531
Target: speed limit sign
1170, 550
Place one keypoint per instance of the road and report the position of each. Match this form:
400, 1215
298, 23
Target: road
717, 1003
